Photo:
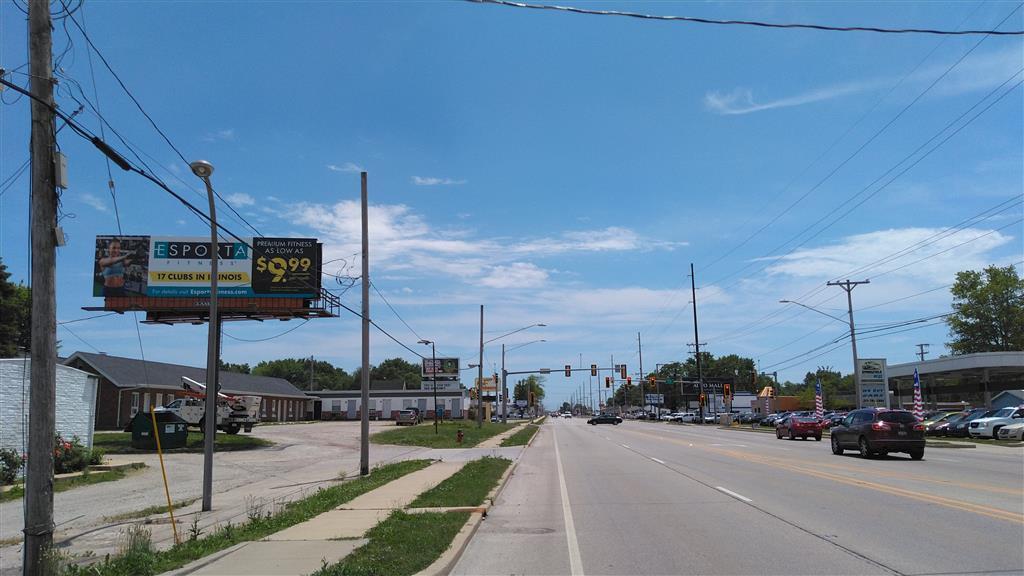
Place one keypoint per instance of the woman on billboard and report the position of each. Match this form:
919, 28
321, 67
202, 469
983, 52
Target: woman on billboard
112, 268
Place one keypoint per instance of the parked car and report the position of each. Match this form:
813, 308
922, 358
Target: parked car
989, 426
835, 418
943, 428
936, 417
710, 418
605, 419
960, 428
802, 426
690, 417
410, 417
1012, 432
772, 419
931, 427
879, 431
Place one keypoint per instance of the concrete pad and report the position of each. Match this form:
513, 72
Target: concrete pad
279, 558
401, 492
333, 524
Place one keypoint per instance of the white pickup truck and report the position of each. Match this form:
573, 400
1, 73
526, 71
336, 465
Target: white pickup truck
233, 412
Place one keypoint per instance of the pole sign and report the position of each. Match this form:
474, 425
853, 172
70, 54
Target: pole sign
440, 368
173, 266
874, 385
654, 399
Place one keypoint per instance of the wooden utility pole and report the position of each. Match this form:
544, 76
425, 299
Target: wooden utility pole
42, 417
364, 386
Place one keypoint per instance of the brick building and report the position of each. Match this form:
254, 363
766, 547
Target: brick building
127, 386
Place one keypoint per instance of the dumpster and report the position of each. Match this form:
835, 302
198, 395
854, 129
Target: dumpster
173, 431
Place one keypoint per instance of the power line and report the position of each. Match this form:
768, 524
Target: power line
292, 329
699, 20
86, 318
395, 312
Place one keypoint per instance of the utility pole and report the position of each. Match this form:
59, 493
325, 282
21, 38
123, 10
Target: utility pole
849, 286
311, 364
42, 416
640, 351
364, 397
696, 340
480, 376
921, 350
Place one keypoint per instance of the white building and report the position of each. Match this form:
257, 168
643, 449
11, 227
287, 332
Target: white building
76, 403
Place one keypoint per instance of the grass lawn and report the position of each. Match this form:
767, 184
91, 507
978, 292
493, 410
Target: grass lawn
149, 511
403, 544
121, 443
62, 484
467, 487
520, 438
423, 434
142, 560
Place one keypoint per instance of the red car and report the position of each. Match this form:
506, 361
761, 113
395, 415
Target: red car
802, 426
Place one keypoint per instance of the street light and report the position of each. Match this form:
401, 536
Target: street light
480, 376
853, 343
203, 170
504, 388
433, 375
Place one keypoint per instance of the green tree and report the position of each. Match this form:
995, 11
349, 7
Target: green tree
237, 368
988, 311
398, 369
296, 370
15, 316
523, 387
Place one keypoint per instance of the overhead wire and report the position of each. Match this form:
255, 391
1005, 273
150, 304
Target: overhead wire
754, 23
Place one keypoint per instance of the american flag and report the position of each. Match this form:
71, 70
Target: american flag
918, 403
819, 407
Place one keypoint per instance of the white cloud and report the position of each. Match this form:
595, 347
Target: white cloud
180, 222
946, 254
741, 101
226, 135
432, 181
515, 275
240, 199
94, 202
346, 167
273, 198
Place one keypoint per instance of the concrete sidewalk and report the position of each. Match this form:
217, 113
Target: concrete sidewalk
327, 538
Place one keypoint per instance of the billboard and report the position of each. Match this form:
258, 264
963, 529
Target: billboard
874, 385
440, 367
173, 266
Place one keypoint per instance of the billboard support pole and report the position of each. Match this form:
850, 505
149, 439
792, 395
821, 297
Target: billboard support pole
364, 420
203, 170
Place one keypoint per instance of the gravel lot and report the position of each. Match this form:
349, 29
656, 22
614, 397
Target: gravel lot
304, 457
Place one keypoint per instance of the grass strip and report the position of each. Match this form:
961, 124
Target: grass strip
67, 483
446, 436
400, 545
149, 511
467, 487
520, 438
121, 443
144, 561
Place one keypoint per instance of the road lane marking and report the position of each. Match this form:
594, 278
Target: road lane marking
733, 494
625, 446
575, 559
658, 461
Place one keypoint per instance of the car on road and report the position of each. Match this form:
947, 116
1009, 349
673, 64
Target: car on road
566, 415
1012, 432
878, 431
690, 417
989, 426
605, 419
408, 417
804, 427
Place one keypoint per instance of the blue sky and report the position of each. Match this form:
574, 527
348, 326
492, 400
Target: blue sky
556, 168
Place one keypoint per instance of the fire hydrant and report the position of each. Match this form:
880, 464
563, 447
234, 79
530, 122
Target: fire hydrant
459, 435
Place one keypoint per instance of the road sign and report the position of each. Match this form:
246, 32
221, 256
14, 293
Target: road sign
521, 403
545, 370
654, 399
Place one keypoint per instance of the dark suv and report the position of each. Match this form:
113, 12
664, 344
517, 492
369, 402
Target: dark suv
879, 431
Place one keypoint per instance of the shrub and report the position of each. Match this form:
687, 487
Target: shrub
69, 455
10, 465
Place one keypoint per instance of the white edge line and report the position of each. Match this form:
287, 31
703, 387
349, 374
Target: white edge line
626, 446
575, 559
658, 461
733, 494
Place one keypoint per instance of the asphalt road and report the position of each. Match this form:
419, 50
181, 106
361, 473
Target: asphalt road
650, 498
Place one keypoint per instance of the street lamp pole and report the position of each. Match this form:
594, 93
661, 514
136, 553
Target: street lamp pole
504, 375
433, 375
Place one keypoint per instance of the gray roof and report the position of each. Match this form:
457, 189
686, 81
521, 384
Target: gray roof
130, 373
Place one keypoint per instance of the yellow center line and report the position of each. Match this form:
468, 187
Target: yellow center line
892, 490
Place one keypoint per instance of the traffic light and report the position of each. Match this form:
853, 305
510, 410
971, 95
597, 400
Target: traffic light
622, 370
607, 381
726, 390
568, 370
771, 392
472, 393
703, 400
629, 380
532, 398
652, 381
593, 369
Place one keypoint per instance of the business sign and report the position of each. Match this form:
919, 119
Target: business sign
440, 367
171, 266
521, 403
654, 399
874, 385
442, 385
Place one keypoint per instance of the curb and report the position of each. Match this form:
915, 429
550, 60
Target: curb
444, 564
